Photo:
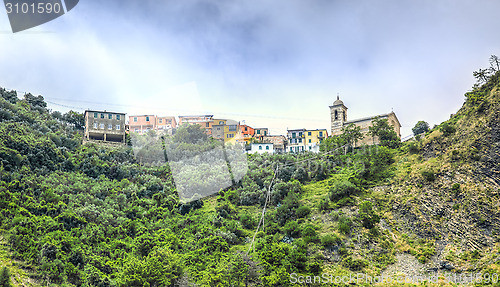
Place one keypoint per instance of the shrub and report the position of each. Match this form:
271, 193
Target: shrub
428, 175
447, 129
354, 264
455, 188
342, 189
345, 224
292, 229
324, 205
302, 211
413, 147
367, 215
330, 240
248, 221
5, 277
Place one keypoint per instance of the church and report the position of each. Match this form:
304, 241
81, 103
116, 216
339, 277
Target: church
339, 119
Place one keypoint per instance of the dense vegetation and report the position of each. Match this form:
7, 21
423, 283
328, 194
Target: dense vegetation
92, 215
96, 215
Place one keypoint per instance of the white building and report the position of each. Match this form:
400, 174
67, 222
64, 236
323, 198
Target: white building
261, 148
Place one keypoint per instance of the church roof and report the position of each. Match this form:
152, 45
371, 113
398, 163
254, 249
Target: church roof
371, 118
338, 102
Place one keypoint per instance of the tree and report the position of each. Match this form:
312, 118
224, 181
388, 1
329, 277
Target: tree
367, 215
5, 277
420, 127
191, 134
332, 143
351, 133
483, 75
75, 119
386, 134
35, 102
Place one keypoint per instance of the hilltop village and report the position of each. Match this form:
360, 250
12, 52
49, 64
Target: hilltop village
113, 126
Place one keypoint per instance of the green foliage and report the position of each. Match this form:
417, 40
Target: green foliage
420, 127
354, 264
447, 128
330, 240
367, 215
387, 136
428, 175
5, 277
344, 224
342, 189
303, 211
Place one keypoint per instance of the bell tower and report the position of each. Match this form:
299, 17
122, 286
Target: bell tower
338, 114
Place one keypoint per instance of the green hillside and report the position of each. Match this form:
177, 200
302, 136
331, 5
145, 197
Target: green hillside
91, 215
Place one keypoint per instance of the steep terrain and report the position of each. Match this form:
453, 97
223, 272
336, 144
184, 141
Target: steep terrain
447, 186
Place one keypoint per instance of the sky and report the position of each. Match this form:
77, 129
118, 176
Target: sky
271, 63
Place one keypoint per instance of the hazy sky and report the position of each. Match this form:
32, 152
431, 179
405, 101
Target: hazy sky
273, 63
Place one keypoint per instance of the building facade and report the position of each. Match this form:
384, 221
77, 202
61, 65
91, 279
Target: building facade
296, 142
141, 123
338, 113
314, 138
261, 148
279, 142
204, 121
104, 126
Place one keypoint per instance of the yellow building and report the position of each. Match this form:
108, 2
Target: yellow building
313, 139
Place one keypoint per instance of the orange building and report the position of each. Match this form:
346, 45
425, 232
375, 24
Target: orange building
144, 123
141, 123
205, 121
246, 132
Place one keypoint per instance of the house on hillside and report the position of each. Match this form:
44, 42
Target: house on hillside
314, 138
261, 148
143, 123
104, 126
205, 121
279, 142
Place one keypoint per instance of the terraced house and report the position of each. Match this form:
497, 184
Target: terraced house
104, 126
313, 139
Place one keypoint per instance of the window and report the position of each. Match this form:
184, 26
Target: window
110, 116
267, 147
309, 148
95, 115
160, 121
221, 122
102, 116
258, 132
117, 127
309, 133
320, 134
336, 115
118, 117
110, 127
207, 125
300, 134
293, 135
135, 119
95, 125
147, 119
246, 129
260, 147
102, 126
265, 132
300, 140
309, 140
230, 136
344, 116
